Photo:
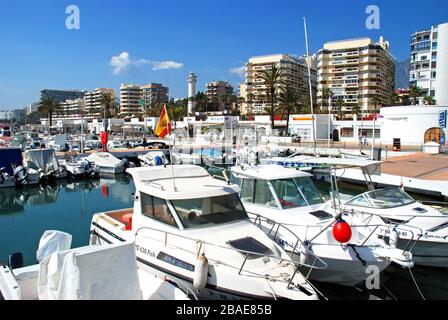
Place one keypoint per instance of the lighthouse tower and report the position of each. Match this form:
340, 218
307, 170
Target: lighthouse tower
192, 81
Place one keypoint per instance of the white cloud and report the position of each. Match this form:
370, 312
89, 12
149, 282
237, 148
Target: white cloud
164, 65
120, 63
241, 71
123, 62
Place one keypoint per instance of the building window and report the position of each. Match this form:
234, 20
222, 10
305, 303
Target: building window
347, 133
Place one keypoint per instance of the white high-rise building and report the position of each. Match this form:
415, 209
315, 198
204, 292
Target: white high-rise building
192, 82
294, 74
429, 63
93, 107
358, 72
130, 96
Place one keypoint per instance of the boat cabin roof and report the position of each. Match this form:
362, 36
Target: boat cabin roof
342, 163
268, 172
192, 182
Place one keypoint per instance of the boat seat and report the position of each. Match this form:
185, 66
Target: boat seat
15, 261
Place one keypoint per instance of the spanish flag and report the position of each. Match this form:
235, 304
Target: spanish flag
164, 126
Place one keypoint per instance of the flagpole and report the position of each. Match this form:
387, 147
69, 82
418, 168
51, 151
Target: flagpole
172, 166
170, 149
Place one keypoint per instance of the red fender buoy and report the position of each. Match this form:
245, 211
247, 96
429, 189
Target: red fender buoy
342, 231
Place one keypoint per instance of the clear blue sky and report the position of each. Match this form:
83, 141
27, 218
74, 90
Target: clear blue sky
209, 37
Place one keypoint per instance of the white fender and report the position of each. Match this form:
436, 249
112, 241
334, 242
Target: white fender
201, 272
393, 238
304, 255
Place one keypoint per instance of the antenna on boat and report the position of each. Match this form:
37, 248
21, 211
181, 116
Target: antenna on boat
308, 62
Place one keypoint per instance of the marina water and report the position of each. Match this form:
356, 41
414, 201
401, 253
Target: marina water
69, 206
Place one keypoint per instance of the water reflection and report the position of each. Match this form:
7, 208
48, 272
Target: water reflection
66, 206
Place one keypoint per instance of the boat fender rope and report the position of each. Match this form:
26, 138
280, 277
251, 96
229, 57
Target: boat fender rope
364, 263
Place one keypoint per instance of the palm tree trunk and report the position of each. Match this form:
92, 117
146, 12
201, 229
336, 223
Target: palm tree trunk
287, 121
272, 110
50, 118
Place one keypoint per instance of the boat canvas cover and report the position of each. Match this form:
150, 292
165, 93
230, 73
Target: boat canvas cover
106, 272
10, 157
104, 159
44, 159
53, 241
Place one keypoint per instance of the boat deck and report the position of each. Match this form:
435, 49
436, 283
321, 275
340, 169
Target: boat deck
419, 166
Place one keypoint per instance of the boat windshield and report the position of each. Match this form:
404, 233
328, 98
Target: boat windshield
382, 199
208, 212
289, 197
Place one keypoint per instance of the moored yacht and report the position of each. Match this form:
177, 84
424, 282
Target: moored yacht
411, 225
286, 204
88, 273
193, 229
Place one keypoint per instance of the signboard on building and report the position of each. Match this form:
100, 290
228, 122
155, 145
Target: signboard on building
442, 119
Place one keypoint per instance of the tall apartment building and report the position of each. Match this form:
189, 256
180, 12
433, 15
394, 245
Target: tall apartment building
295, 74
6, 115
62, 95
357, 71
92, 101
130, 96
215, 91
429, 63
155, 93
70, 109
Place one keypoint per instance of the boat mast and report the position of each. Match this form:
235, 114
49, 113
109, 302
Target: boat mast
308, 62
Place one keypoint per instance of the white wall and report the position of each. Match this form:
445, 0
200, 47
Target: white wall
442, 66
409, 123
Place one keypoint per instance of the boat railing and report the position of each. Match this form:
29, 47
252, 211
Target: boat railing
416, 233
154, 184
200, 247
275, 232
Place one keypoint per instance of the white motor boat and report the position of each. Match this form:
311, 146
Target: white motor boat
411, 225
185, 158
153, 158
89, 273
107, 163
193, 229
21, 177
79, 168
286, 204
46, 163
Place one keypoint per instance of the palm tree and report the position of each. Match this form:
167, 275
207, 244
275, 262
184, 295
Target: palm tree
377, 102
415, 92
289, 101
326, 93
272, 78
48, 106
356, 109
107, 102
223, 101
394, 98
340, 104
429, 101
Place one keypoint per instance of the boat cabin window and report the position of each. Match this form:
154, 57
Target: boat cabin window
258, 192
157, 209
309, 190
383, 199
287, 194
211, 211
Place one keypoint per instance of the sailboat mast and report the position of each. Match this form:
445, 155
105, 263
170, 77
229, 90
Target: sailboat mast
308, 62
